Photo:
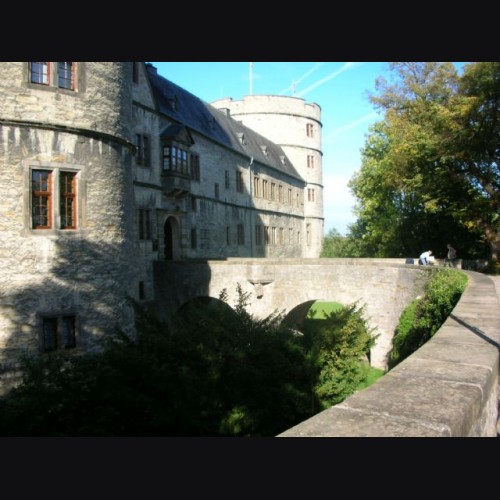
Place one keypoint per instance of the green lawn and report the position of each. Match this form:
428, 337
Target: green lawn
373, 374
322, 309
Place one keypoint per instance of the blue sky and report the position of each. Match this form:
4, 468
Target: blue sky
338, 87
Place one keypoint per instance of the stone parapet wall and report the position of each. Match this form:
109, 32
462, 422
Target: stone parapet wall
448, 388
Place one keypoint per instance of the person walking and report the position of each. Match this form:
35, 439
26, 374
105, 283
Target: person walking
451, 256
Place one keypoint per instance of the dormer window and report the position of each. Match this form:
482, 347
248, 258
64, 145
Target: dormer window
283, 159
263, 149
173, 103
241, 138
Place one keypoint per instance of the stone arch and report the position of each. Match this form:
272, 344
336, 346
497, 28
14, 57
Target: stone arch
171, 239
191, 305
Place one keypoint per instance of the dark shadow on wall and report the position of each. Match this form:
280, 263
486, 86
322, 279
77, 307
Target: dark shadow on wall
88, 282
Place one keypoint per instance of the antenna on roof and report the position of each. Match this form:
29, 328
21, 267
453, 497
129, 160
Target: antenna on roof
251, 77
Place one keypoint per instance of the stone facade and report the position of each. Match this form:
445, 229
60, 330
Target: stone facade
108, 168
296, 126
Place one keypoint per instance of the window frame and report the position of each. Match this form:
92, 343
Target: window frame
239, 181
240, 231
57, 202
58, 340
48, 73
72, 76
56, 76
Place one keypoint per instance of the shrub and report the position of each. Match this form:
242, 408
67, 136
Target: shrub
421, 319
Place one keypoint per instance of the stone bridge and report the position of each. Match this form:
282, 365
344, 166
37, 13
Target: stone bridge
449, 387
383, 286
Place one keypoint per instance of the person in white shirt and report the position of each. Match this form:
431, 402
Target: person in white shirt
424, 258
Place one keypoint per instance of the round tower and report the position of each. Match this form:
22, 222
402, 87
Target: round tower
66, 204
295, 125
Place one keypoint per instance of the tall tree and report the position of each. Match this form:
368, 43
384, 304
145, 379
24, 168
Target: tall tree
432, 162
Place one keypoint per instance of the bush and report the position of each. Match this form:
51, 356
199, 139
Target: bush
211, 371
337, 348
421, 319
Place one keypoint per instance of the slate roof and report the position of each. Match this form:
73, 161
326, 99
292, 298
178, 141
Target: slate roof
184, 107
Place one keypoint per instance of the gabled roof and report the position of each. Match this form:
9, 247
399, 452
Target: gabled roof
179, 133
187, 109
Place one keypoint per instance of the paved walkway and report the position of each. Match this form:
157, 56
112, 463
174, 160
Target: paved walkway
496, 279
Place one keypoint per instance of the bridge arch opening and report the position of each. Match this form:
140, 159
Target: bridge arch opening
312, 309
208, 304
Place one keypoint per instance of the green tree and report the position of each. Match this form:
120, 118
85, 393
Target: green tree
338, 347
336, 245
430, 162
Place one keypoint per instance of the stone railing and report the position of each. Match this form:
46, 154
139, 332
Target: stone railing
447, 388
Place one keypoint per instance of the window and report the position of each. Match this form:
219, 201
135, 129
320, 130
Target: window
258, 234
308, 234
61, 75
256, 190
228, 235
39, 72
58, 332
267, 236
239, 181
310, 194
41, 199
273, 236
309, 130
290, 235
273, 191
193, 238
280, 193
226, 179
142, 294
44, 200
310, 161
265, 189
66, 75
67, 190
216, 191
193, 204
195, 166
144, 224
143, 150
289, 196
282, 236
297, 199
241, 234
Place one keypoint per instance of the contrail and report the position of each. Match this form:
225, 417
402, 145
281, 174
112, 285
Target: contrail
305, 75
345, 67
351, 125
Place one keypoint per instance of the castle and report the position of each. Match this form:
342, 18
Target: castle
108, 167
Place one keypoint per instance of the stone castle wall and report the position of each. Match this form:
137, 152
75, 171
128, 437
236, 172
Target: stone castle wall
52, 272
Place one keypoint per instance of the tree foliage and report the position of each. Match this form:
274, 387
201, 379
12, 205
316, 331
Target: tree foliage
429, 173
338, 348
423, 317
213, 370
